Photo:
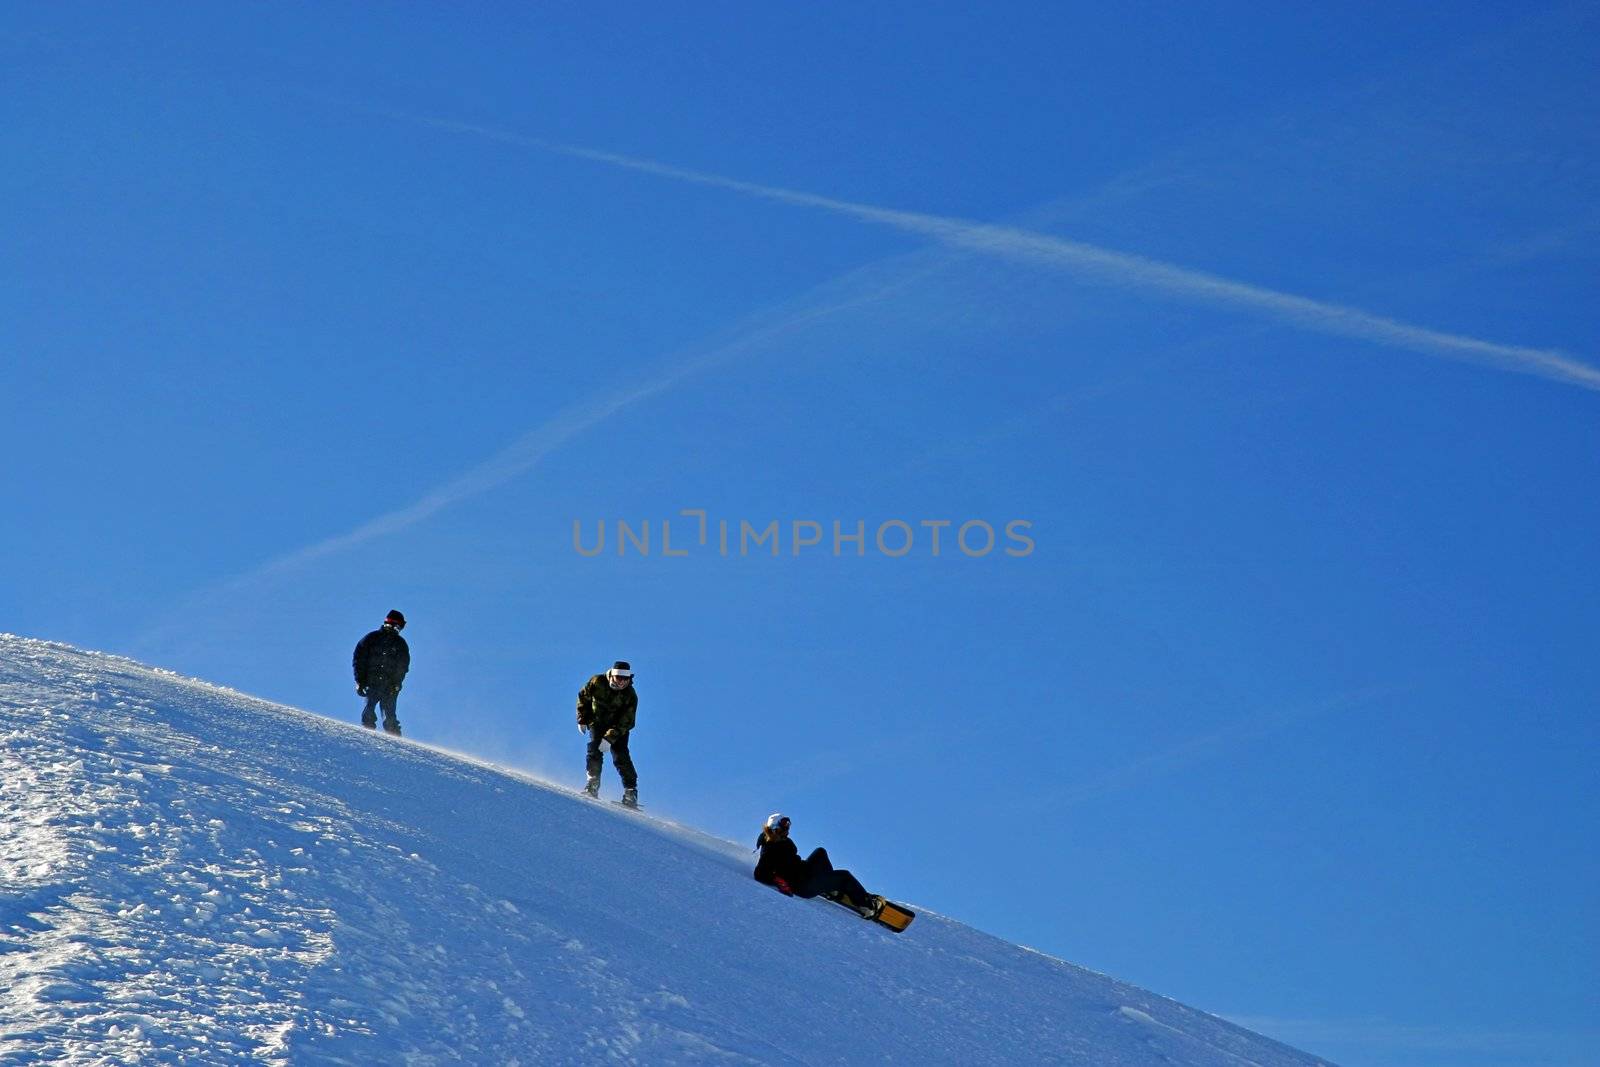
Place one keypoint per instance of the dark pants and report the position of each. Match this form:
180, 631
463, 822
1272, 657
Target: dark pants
619, 757
821, 880
386, 699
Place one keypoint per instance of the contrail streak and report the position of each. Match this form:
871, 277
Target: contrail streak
529, 449
521, 455
1102, 264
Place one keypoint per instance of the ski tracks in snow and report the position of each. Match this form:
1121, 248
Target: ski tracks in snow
134, 922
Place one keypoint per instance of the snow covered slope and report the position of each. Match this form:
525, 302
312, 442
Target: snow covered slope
189, 875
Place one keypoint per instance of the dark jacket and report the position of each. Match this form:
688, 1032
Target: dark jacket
605, 708
382, 659
780, 859
781, 867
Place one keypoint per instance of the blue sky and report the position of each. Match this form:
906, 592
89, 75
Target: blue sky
315, 312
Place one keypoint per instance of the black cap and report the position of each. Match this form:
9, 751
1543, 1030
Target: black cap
396, 618
621, 665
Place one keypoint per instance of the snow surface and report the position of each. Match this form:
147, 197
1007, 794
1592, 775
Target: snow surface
191, 875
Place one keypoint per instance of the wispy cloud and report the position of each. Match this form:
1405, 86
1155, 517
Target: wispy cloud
1102, 265
853, 290
526, 452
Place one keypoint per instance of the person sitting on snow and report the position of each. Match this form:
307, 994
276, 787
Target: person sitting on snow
781, 867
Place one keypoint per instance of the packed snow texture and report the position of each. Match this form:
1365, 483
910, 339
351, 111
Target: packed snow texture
190, 875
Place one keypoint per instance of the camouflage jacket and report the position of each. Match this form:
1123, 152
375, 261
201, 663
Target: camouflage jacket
606, 708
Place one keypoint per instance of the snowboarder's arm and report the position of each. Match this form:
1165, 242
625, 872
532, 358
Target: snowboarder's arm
775, 857
358, 663
585, 705
629, 711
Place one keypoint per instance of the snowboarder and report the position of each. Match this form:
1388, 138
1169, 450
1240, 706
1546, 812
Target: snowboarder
381, 661
607, 705
781, 867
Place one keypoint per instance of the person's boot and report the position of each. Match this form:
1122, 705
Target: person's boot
391, 726
592, 786
873, 906
630, 798
371, 724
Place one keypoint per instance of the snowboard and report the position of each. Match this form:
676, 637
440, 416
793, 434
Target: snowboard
895, 916
585, 794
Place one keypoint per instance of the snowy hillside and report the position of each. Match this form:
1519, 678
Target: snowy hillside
189, 875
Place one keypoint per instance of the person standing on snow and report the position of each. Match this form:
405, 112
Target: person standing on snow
381, 661
607, 704
781, 867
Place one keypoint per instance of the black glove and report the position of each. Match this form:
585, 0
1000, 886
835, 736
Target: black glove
361, 690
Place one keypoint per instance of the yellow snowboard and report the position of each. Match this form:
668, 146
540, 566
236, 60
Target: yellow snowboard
895, 916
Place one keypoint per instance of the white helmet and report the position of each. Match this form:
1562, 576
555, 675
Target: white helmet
620, 674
